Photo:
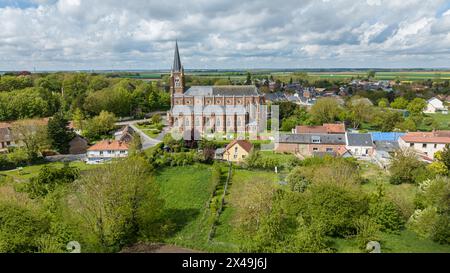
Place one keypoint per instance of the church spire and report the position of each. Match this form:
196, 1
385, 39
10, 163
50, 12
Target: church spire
176, 60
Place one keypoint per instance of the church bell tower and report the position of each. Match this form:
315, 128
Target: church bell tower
177, 74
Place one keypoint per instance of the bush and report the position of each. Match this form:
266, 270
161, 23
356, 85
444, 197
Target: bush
49, 178
336, 206
366, 230
386, 215
405, 167
20, 229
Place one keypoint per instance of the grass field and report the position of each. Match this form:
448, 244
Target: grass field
29, 171
226, 236
186, 193
402, 76
442, 120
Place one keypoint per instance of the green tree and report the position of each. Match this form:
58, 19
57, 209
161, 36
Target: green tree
100, 125
325, 110
78, 119
248, 81
119, 203
416, 106
59, 133
405, 167
400, 103
383, 103
20, 228
32, 134
49, 178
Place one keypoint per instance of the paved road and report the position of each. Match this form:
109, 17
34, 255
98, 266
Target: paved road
147, 142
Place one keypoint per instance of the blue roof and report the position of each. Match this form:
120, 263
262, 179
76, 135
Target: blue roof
386, 136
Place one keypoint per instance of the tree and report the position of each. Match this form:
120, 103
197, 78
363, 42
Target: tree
49, 178
432, 218
59, 133
248, 81
359, 111
371, 74
336, 206
444, 156
20, 228
325, 110
383, 103
32, 134
416, 106
100, 125
135, 145
399, 103
156, 118
118, 203
78, 119
405, 167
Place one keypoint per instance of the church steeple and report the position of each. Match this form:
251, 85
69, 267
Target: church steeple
177, 74
176, 60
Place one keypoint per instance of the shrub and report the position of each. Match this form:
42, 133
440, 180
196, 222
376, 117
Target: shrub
20, 229
386, 214
366, 230
405, 167
336, 206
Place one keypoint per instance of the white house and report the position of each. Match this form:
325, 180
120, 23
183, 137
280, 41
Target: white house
359, 145
435, 105
425, 143
106, 150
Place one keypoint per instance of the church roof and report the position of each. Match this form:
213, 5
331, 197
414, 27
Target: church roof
223, 90
176, 60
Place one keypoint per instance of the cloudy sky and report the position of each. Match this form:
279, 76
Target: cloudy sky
140, 34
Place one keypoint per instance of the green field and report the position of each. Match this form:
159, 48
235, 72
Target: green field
186, 193
29, 171
402, 76
185, 190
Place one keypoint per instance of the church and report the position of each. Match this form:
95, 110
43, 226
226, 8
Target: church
200, 111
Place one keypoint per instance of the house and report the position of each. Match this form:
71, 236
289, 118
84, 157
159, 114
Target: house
218, 154
425, 143
309, 144
6, 138
326, 128
125, 134
237, 150
275, 97
359, 144
386, 136
383, 151
78, 145
435, 105
106, 150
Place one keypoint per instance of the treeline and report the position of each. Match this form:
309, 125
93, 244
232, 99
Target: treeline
42, 95
360, 112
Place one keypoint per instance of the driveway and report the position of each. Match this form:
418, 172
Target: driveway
147, 142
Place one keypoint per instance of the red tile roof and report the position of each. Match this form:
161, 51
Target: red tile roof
106, 145
326, 128
246, 145
427, 137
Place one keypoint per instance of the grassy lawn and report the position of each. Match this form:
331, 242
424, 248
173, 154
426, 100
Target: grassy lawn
30, 171
403, 242
226, 237
442, 120
186, 193
149, 129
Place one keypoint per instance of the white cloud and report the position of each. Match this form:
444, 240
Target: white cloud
95, 34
